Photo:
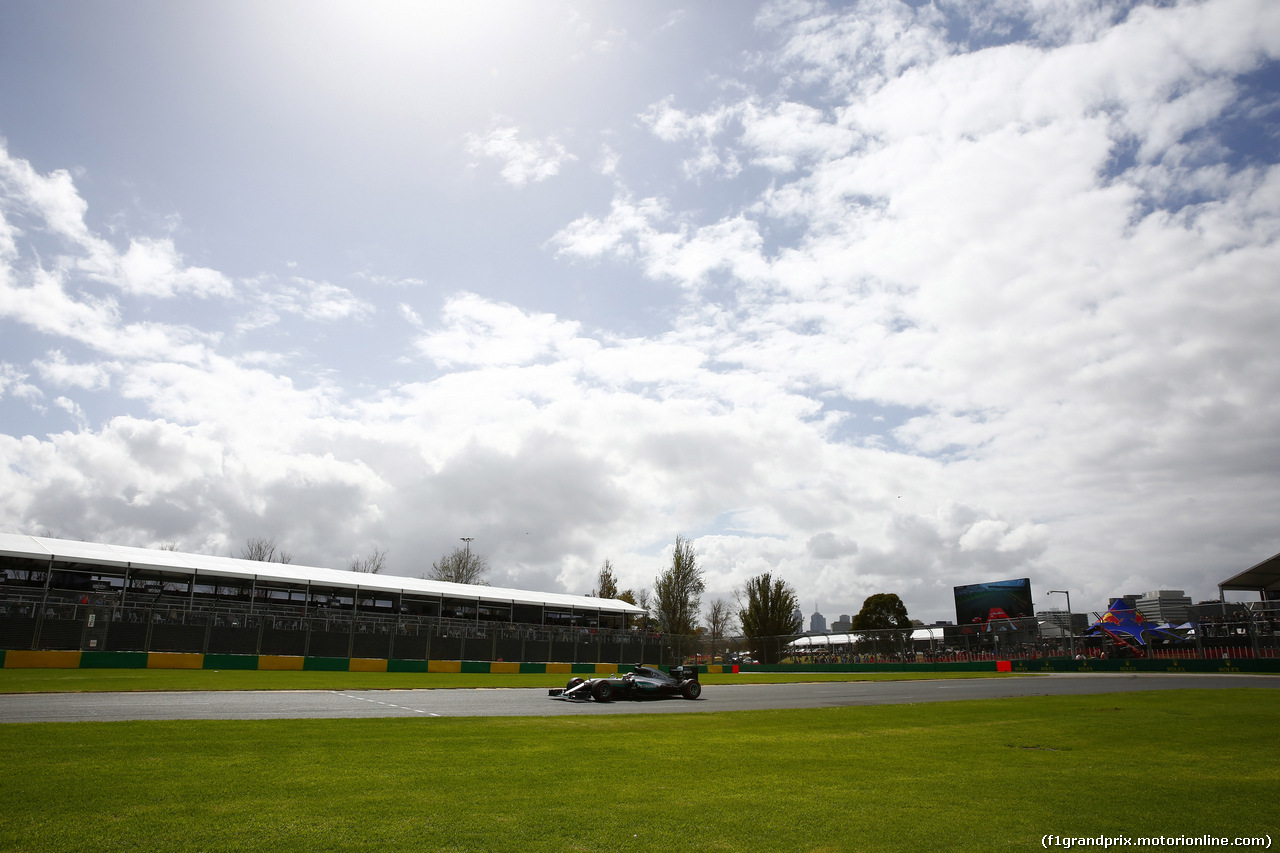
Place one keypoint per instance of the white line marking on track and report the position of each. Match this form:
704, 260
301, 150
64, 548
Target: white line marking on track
383, 704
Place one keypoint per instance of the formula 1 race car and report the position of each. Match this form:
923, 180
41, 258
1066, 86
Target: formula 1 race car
645, 683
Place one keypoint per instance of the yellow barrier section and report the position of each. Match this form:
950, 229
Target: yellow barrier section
279, 662
174, 660
504, 666
41, 660
368, 665
559, 667
444, 666
715, 668
606, 668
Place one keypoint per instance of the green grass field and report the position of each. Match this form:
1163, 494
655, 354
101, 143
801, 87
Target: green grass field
96, 680
982, 775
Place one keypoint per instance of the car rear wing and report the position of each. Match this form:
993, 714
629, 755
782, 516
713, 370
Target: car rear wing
680, 673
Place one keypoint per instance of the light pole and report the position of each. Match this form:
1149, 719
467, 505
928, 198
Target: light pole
468, 539
1070, 631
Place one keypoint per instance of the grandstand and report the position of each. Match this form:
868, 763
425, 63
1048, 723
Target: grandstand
66, 595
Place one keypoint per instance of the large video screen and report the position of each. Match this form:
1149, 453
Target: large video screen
979, 603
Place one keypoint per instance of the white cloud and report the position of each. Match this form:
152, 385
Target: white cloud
91, 376
52, 198
950, 313
628, 222
523, 161
673, 125
155, 268
969, 251
411, 315
13, 382
313, 300
790, 134
481, 333
149, 267
607, 164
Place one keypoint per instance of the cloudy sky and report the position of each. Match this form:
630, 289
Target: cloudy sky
880, 296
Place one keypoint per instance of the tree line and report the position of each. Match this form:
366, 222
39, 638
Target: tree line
765, 607
461, 565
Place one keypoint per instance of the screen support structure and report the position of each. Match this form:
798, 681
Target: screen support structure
1070, 631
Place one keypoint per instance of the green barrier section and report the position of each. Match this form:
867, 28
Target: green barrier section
138, 660
969, 666
395, 665
231, 662
326, 664
1154, 665
113, 660
1137, 665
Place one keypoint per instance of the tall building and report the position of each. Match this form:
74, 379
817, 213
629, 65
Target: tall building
1164, 605
797, 616
817, 623
843, 625
1059, 618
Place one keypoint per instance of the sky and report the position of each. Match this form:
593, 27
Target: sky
875, 296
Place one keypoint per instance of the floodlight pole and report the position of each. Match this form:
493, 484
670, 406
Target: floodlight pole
467, 569
1070, 630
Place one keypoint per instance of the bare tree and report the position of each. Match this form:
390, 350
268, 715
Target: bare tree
719, 621
263, 549
168, 546
606, 583
460, 566
645, 602
371, 565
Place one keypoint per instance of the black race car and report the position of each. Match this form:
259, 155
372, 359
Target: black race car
645, 683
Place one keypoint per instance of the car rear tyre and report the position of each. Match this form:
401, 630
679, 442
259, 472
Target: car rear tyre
691, 690
603, 691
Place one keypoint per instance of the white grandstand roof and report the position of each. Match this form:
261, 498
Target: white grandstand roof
177, 562
926, 633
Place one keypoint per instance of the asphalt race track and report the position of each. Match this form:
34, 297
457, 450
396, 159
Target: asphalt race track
528, 702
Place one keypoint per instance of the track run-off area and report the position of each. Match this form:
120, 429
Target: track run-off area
534, 702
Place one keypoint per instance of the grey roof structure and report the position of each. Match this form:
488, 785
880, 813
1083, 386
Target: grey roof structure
177, 563
1263, 577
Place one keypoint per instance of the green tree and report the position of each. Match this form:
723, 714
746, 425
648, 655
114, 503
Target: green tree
767, 608
677, 591
883, 611
884, 616
606, 582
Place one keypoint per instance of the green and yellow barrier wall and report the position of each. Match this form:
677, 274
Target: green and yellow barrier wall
174, 660
17, 659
